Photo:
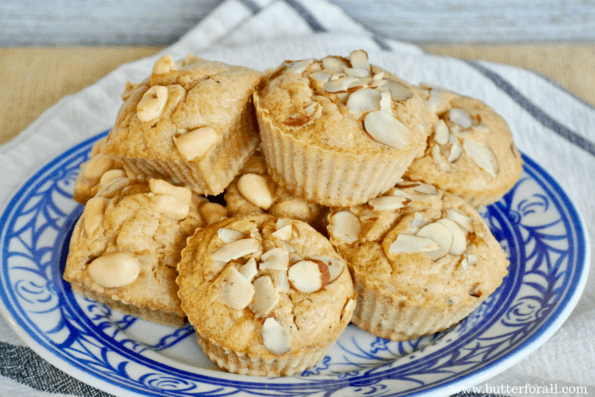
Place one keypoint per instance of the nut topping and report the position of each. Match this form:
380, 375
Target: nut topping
110, 175
308, 275
254, 188
440, 234
300, 66
385, 128
114, 270
229, 235
170, 206
93, 214
463, 220
335, 265
459, 237
249, 269
364, 100
409, 243
483, 156
212, 212
333, 63
398, 91
455, 151
195, 143
163, 65
159, 186
284, 233
236, 249
384, 203
345, 227
265, 296
441, 133
460, 117
237, 290
359, 60
97, 166
152, 103
276, 258
275, 337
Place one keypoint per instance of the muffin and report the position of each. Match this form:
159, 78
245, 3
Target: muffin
190, 122
126, 245
95, 173
470, 152
253, 191
427, 273
339, 131
267, 296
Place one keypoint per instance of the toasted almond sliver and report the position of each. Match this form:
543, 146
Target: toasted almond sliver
265, 297
170, 206
359, 60
276, 258
321, 77
237, 290
299, 66
333, 63
110, 175
114, 270
440, 234
455, 151
275, 337
229, 235
398, 91
425, 188
249, 269
345, 227
385, 203
195, 143
93, 215
463, 220
408, 243
482, 155
460, 117
441, 133
159, 186
353, 72
97, 166
459, 237
340, 84
236, 249
385, 128
364, 100
308, 276
335, 265
285, 233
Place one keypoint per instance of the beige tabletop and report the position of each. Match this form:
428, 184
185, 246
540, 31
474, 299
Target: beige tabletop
35, 78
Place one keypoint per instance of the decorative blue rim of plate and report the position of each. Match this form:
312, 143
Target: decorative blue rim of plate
536, 224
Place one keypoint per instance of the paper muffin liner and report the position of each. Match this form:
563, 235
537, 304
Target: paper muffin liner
244, 364
382, 316
324, 176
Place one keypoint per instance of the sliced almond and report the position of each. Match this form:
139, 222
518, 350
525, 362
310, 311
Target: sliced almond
441, 133
265, 297
111, 175
335, 265
195, 143
345, 227
459, 237
385, 203
418, 221
276, 258
481, 129
237, 291
236, 249
93, 215
340, 84
460, 117
463, 220
308, 275
275, 337
285, 233
249, 269
299, 66
468, 261
359, 60
255, 189
385, 128
425, 188
348, 309
280, 280
353, 72
229, 235
386, 102
334, 63
455, 150
438, 159
409, 243
398, 91
483, 156
321, 77
364, 100
440, 234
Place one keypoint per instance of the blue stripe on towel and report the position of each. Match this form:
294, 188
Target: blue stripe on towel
309, 18
252, 6
533, 110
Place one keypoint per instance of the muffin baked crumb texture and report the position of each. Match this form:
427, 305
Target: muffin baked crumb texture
343, 194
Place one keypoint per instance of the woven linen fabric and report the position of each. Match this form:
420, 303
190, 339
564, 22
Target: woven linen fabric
549, 124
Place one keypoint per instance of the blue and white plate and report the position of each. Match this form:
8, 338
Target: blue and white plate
536, 224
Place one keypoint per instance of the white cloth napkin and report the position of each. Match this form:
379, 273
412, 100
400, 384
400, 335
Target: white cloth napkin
550, 125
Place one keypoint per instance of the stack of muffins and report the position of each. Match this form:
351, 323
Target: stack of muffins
270, 210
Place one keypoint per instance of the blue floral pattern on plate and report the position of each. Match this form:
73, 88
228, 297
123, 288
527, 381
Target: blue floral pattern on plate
535, 223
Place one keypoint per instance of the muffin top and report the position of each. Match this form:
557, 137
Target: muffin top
253, 191
442, 256
128, 242
470, 151
344, 105
264, 286
182, 109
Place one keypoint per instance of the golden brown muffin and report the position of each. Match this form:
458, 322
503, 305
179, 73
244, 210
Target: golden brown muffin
267, 296
427, 273
339, 131
470, 152
191, 123
253, 191
125, 247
